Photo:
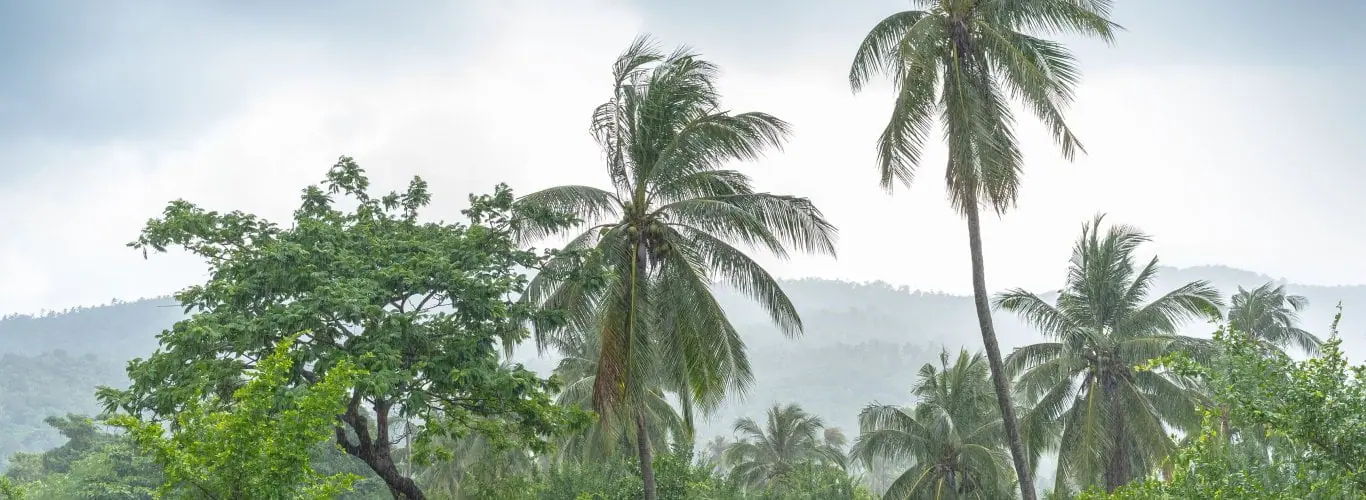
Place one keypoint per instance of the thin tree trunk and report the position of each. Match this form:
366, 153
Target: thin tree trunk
1223, 422
1117, 472
647, 466
1023, 470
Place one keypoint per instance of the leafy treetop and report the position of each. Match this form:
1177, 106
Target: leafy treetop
418, 307
255, 445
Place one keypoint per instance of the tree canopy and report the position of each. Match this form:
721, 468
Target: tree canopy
419, 307
255, 445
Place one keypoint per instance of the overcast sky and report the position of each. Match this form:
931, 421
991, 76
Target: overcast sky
1225, 128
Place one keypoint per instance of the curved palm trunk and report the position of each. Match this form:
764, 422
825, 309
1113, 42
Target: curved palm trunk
998, 377
647, 468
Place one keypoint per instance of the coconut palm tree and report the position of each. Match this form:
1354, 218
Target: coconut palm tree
833, 446
789, 437
952, 438
578, 368
673, 223
962, 61
1269, 314
1113, 417
472, 456
713, 454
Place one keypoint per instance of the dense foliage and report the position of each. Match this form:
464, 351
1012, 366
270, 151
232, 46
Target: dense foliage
402, 383
92, 463
255, 445
1274, 428
419, 307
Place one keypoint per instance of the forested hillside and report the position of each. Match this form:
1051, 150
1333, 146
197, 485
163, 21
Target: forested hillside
863, 343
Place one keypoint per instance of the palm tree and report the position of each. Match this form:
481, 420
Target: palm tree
713, 454
672, 225
578, 368
952, 438
834, 436
1268, 314
1112, 416
472, 457
962, 61
790, 437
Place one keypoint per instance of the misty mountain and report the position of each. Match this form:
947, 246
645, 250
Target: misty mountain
862, 343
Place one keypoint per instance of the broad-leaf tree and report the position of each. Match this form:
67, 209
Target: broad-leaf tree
93, 463
1270, 315
1312, 408
255, 444
961, 63
952, 438
8, 491
1113, 418
672, 223
420, 307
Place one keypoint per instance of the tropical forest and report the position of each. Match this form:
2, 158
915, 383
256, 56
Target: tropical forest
649, 331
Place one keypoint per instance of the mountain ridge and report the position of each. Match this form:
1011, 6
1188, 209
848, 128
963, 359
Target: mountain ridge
863, 342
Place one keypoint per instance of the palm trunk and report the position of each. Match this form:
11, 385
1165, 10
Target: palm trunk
647, 467
1118, 470
1023, 470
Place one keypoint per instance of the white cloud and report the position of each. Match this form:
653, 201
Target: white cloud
516, 113
1190, 154
1201, 158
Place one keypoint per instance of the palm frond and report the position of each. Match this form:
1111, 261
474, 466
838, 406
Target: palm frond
1090, 18
588, 204
1035, 311
710, 140
879, 52
1040, 73
739, 271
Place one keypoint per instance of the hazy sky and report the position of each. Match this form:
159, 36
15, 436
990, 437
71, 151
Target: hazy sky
1222, 127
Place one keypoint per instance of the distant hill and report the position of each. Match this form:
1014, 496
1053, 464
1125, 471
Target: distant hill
118, 331
863, 343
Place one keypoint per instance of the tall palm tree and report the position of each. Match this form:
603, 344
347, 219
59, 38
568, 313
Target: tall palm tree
1269, 314
1113, 417
789, 437
673, 223
952, 438
962, 61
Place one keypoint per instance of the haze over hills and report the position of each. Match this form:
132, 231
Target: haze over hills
863, 343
